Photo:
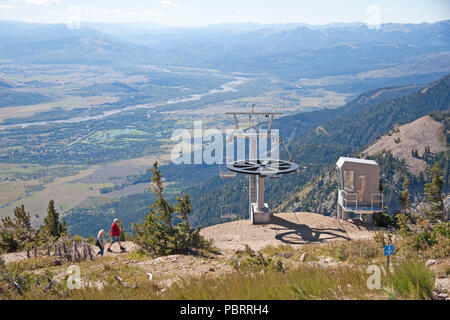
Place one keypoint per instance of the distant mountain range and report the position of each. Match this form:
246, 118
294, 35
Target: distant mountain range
141, 28
289, 51
56, 44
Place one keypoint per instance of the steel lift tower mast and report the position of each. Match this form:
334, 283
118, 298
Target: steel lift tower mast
258, 169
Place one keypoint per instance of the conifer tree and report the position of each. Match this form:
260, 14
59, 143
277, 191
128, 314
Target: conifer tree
162, 207
404, 197
157, 234
63, 227
21, 219
52, 226
184, 208
433, 190
16, 232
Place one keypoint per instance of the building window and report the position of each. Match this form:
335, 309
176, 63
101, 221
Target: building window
349, 180
362, 188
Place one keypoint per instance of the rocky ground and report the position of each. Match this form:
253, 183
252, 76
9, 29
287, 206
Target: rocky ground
442, 282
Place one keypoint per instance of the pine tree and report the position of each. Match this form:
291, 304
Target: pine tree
157, 234
63, 227
21, 219
162, 207
404, 198
184, 207
16, 232
433, 190
426, 153
52, 226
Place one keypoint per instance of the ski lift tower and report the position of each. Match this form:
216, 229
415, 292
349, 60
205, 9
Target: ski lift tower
258, 169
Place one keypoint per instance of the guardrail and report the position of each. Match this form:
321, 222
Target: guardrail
346, 198
377, 199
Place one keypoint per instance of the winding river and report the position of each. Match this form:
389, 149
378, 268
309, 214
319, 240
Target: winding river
227, 87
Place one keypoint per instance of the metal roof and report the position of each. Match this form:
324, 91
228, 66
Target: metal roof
343, 160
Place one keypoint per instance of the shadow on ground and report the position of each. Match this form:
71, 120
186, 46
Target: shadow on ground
301, 233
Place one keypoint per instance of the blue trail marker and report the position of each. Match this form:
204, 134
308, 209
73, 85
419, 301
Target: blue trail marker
389, 250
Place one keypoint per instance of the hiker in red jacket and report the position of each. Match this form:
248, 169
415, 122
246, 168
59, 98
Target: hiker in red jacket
115, 235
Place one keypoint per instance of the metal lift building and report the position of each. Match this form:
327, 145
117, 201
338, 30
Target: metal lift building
358, 191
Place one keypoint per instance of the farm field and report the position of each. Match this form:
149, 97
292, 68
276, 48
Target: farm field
69, 103
65, 193
68, 191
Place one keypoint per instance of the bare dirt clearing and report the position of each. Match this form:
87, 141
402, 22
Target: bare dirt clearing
415, 135
286, 228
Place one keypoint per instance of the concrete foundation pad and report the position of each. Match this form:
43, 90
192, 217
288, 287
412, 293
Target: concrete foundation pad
258, 216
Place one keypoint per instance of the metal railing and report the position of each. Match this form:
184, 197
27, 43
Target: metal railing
376, 199
346, 199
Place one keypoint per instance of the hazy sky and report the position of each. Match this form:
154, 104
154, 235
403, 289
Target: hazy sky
203, 12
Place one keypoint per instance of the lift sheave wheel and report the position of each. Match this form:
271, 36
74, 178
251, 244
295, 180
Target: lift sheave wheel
262, 167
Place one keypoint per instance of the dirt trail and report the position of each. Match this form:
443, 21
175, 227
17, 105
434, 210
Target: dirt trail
128, 245
286, 228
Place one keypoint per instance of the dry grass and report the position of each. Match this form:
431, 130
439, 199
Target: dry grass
335, 270
10, 191
66, 104
411, 280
